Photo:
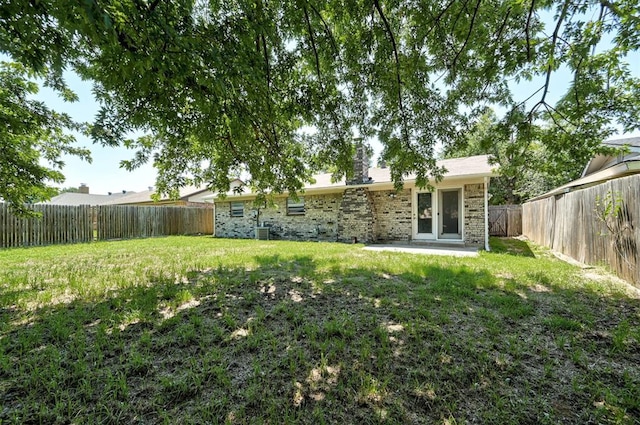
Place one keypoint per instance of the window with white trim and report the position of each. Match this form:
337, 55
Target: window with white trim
295, 206
237, 209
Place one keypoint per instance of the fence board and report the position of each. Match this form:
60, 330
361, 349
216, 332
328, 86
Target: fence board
57, 224
60, 224
505, 220
572, 224
125, 222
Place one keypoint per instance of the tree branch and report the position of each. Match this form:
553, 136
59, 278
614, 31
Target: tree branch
550, 109
498, 35
394, 47
527, 29
266, 60
455, 21
466, 41
313, 42
554, 40
612, 7
327, 30
436, 21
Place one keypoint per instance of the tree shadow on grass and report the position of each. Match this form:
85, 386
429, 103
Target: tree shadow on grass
292, 340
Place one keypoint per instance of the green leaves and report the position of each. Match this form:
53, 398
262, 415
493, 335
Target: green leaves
233, 87
33, 140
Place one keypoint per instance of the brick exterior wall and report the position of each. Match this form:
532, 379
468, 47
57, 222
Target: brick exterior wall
369, 216
474, 214
360, 166
319, 223
233, 227
393, 215
356, 217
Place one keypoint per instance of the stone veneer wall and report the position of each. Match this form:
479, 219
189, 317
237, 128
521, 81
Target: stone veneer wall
393, 215
474, 214
356, 216
319, 223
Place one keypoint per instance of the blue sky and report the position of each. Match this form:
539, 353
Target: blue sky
104, 174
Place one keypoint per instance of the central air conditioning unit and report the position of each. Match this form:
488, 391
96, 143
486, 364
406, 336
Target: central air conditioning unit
262, 233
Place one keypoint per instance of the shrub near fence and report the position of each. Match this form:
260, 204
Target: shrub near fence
580, 225
60, 224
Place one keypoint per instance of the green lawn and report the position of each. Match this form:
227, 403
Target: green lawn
201, 330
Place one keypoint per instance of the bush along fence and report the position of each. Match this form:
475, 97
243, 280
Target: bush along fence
597, 225
60, 224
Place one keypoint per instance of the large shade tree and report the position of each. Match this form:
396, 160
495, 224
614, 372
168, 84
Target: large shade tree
274, 89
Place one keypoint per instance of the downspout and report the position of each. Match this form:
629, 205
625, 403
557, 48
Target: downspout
214, 219
486, 214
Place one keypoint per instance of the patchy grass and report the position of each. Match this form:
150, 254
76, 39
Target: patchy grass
201, 330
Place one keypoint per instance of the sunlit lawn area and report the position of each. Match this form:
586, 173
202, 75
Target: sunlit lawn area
202, 330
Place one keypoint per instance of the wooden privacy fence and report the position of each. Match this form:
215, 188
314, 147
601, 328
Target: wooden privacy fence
127, 222
596, 225
61, 224
505, 220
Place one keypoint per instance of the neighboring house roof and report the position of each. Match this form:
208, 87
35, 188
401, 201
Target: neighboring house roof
74, 199
604, 167
468, 167
601, 162
187, 193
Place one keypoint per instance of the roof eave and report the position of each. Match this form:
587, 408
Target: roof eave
339, 188
618, 170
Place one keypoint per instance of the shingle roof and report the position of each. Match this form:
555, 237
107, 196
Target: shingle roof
629, 141
74, 199
145, 196
456, 167
471, 166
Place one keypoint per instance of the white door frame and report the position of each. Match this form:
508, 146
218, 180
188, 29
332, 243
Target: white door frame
460, 215
436, 202
415, 216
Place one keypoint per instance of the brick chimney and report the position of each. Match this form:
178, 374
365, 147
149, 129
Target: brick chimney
360, 166
83, 188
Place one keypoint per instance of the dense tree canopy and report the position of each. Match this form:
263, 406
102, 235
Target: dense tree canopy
274, 89
514, 148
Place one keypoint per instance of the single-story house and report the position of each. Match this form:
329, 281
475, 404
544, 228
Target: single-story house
188, 196
604, 167
368, 208
83, 197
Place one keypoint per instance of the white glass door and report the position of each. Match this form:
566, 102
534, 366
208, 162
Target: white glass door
450, 213
424, 217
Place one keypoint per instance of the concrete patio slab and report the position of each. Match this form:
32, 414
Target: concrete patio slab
426, 250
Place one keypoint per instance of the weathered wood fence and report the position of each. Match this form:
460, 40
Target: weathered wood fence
597, 225
505, 220
61, 224
128, 222
58, 225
